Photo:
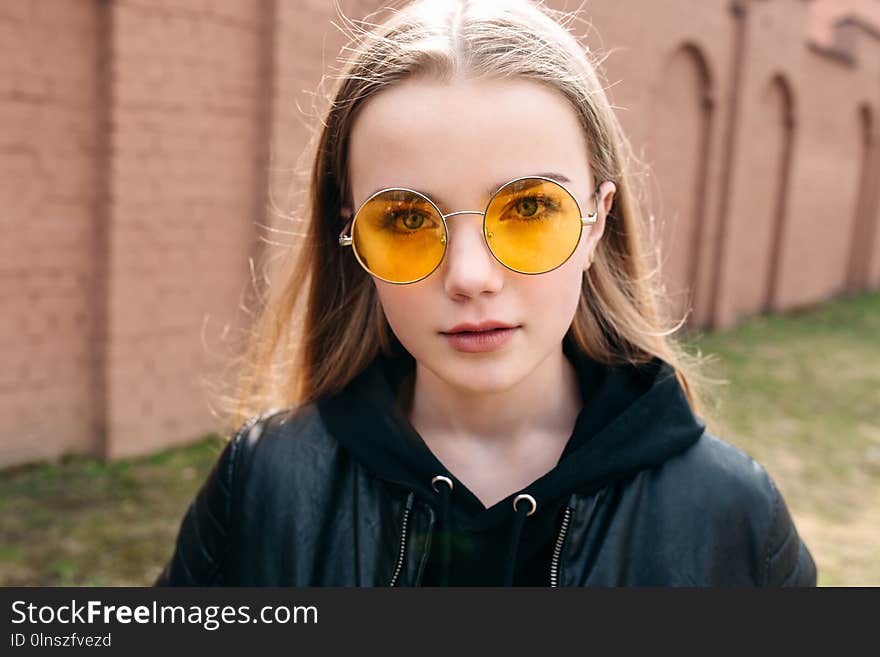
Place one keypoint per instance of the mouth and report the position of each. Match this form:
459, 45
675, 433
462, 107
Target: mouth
475, 341
482, 331
484, 327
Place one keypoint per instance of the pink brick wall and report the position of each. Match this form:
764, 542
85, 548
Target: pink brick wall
823, 14
48, 200
187, 116
140, 139
825, 169
670, 75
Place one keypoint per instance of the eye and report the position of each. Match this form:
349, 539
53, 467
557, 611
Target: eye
413, 220
533, 207
407, 220
527, 206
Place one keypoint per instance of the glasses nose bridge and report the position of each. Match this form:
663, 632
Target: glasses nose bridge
452, 214
481, 213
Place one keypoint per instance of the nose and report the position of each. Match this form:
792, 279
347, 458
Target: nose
469, 268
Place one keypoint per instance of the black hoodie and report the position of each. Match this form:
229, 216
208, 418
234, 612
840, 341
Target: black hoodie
633, 418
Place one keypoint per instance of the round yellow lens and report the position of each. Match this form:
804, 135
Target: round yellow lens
533, 225
399, 236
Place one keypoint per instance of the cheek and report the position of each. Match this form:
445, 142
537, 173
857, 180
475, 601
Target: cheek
555, 295
551, 309
407, 311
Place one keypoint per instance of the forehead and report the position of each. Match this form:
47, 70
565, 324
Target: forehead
458, 139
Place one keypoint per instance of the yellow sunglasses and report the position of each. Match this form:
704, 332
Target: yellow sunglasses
532, 225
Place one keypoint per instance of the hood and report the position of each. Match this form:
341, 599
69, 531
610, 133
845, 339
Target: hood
633, 417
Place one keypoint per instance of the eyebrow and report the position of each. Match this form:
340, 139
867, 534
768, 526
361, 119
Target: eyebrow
558, 177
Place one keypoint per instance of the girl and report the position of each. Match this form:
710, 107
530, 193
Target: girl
482, 392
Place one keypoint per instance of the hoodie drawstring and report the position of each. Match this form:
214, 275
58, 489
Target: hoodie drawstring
527, 508
518, 522
446, 534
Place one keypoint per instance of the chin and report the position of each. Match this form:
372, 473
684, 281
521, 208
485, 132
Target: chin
476, 373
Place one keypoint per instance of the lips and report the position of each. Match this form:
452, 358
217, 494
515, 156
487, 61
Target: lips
489, 338
480, 327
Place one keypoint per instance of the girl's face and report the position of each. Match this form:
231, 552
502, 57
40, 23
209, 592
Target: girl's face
455, 142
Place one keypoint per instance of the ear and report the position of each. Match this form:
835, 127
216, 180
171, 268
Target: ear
603, 200
606, 196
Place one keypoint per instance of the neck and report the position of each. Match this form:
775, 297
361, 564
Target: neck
544, 403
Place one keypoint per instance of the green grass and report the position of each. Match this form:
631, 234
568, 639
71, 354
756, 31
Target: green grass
803, 398
80, 522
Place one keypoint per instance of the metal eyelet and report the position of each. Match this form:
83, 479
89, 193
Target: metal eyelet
446, 480
525, 496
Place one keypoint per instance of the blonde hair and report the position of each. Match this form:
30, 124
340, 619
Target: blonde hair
324, 324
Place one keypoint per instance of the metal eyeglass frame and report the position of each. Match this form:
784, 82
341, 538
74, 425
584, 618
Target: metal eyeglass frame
589, 219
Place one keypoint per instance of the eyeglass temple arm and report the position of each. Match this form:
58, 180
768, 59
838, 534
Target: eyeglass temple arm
345, 240
592, 217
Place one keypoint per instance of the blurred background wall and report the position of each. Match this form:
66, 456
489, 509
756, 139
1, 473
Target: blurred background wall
142, 143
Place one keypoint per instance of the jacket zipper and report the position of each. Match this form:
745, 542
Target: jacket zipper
402, 550
557, 551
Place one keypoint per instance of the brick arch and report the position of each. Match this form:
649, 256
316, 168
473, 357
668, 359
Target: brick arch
700, 60
678, 146
864, 249
777, 104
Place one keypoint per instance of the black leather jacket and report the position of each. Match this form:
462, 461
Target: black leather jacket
287, 505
